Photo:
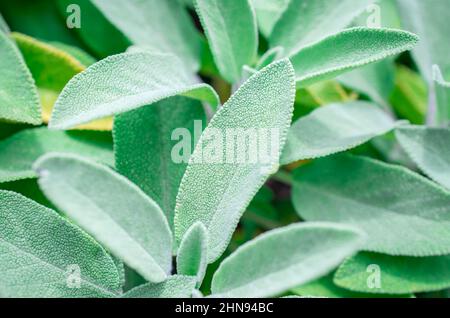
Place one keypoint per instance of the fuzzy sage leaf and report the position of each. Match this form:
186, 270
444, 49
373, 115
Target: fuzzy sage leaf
40, 250
263, 103
284, 258
112, 209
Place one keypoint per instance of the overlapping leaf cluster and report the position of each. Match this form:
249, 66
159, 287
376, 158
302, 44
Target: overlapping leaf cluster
356, 202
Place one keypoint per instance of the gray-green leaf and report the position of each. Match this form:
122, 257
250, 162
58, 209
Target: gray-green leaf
43, 255
268, 12
284, 258
402, 212
335, 128
124, 82
263, 105
161, 26
308, 21
346, 51
176, 286
19, 99
112, 209
18, 152
144, 140
192, 253
230, 27
397, 274
429, 148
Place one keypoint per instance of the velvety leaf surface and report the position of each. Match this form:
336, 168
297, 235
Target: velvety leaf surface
264, 104
144, 140
429, 148
307, 21
335, 128
398, 274
402, 212
176, 286
268, 12
161, 26
281, 259
124, 82
430, 22
18, 152
346, 51
192, 253
39, 250
112, 209
19, 101
230, 27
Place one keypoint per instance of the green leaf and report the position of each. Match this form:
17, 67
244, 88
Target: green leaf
176, 286
335, 128
324, 287
161, 26
192, 253
308, 21
429, 148
377, 81
268, 12
112, 209
18, 152
410, 96
398, 275
262, 105
230, 27
96, 31
3, 25
124, 82
52, 68
281, 259
430, 22
402, 212
39, 19
144, 140
442, 90
40, 251
19, 101
347, 50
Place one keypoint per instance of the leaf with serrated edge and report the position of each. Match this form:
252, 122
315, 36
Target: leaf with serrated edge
284, 258
124, 82
40, 249
176, 286
265, 102
193, 252
402, 212
335, 128
429, 148
308, 21
398, 274
230, 27
142, 133
20, 151
19, 100
112, 209
347, 50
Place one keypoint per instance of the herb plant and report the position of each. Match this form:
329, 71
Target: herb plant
128, 168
